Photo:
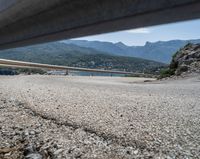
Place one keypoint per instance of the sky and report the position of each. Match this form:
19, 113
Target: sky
182, 30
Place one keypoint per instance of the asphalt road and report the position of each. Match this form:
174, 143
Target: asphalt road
153, 119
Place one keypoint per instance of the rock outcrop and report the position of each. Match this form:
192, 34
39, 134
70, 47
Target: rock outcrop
186, 60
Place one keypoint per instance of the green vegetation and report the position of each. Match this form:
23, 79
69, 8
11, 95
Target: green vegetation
17, 71
30, 71
109, 62
166, 72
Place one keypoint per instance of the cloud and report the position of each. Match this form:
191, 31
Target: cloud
139, 31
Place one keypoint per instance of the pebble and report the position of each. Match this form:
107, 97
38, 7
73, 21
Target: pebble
57, 152
32, 132
135, 152
34, 156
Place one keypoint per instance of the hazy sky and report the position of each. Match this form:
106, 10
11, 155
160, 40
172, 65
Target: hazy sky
182, 30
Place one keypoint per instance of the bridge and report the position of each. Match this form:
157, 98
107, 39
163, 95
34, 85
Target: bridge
21, 64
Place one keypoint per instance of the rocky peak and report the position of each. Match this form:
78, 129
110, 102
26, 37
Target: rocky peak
121, 45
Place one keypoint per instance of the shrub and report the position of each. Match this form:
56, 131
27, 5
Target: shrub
167, 72
30, 71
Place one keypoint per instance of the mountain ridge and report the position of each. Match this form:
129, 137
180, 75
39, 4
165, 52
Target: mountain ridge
161, 51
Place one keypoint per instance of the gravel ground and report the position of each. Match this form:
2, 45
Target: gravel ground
99, 117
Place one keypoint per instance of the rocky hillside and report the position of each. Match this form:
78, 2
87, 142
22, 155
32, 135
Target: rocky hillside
185, 61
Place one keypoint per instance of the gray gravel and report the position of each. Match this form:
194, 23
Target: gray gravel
100, 117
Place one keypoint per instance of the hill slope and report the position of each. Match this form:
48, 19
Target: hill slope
187, 60
72, 55
160, 51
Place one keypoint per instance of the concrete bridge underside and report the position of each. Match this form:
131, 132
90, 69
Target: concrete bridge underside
25, 22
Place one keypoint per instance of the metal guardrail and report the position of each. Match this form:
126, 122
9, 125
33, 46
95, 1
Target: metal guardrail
21, 64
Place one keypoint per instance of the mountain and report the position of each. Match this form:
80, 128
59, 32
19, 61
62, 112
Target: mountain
58, 53
106, 47
161, 51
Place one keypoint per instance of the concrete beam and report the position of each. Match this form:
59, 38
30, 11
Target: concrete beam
25, 22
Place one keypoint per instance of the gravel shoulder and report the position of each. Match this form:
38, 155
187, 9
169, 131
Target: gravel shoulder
100, 117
